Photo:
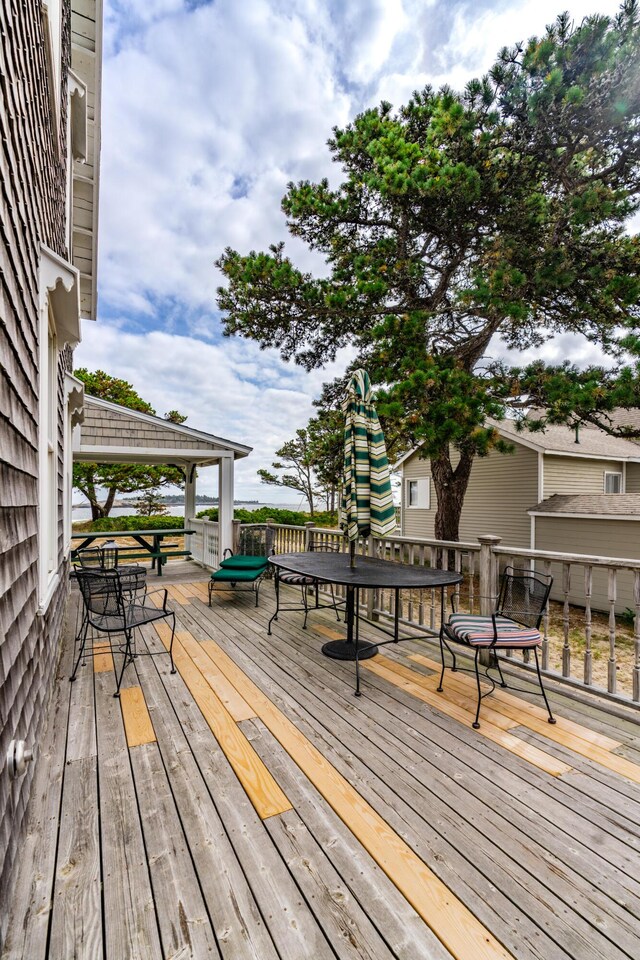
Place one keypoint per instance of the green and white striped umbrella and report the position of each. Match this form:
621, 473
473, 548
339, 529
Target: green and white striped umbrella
366, 505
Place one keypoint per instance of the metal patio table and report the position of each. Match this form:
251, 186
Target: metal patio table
368, 573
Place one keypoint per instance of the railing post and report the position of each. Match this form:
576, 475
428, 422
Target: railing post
488, 574
270, 537
307, 534
236, 535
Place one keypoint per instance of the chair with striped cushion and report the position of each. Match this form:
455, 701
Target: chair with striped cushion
306, 584
513, 626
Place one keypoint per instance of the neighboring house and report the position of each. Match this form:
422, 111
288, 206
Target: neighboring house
49, 117
560, 490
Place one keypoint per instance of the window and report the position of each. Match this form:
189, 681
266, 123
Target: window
612, 482
417, 493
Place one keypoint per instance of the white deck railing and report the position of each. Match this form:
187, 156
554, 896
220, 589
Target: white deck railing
585, 640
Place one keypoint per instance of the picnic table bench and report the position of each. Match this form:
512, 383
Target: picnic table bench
148, 544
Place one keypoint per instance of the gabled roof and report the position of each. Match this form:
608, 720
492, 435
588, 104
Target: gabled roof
557, 440
587, 442
114, 434
618, 506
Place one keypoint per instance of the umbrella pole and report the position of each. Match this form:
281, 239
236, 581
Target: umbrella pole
352, 554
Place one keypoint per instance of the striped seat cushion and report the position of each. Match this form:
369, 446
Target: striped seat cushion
295, 579
478, 631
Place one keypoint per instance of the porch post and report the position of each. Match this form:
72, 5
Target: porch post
189, 499
225, 503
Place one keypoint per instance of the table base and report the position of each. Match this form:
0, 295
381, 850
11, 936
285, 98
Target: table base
341, 650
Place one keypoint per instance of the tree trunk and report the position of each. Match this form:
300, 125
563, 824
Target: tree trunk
450, 487
108, 504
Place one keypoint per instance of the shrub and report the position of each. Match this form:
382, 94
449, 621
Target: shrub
105, 524
262, 514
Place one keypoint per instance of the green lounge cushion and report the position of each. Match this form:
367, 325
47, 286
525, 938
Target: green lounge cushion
237, 575
244, 562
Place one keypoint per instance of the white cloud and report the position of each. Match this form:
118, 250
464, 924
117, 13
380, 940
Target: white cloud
209, 109
453, 42
232, 390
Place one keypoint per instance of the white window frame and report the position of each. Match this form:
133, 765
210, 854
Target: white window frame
59, 324
73, 416
76, 142
613, 473
422, 488
52, 28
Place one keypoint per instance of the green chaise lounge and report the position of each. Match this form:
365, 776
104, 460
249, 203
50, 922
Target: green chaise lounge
244, 570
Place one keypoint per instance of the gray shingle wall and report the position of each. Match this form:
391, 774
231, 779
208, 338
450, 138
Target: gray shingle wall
32, 210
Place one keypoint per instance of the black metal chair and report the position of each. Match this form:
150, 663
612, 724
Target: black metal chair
306, 584
514, 625
112, 605
246, 569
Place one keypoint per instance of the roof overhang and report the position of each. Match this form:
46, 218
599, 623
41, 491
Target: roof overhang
178, 456
178, 444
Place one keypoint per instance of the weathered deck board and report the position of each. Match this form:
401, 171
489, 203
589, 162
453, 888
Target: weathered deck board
129, 911
185, 928
582, 945
546, 863
241, 931
76, 923
395, 919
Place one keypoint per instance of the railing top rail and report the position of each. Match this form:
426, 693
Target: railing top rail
580, 558
432, 542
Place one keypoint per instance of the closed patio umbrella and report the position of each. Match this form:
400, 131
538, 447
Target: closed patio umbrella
366, 506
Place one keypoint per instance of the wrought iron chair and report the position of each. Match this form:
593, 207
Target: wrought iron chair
112, 605
246, 569
514, 625
306, 584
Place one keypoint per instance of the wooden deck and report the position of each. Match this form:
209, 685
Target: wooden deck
250, 806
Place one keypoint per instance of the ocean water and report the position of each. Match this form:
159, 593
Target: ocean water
175, 510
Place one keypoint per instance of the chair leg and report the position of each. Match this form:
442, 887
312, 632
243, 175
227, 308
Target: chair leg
551, 716
275, 615
173, 633
476, 722
82, 645
305, 602
503, 682
126, 659
443, 644
210, 591
439, 688
335, 606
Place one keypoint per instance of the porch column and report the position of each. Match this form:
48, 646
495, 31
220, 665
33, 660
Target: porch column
225, 503
189, 499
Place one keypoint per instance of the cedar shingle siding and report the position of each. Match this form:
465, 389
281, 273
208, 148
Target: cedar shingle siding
32, 211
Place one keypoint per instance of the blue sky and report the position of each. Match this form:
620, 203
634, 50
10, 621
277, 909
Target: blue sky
209, 110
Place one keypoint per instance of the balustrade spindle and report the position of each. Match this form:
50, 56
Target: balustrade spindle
612, 594
636, 636
545, 623
566, 649
588, 590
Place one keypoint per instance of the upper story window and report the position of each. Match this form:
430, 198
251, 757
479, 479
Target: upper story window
612, 482
417, 493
